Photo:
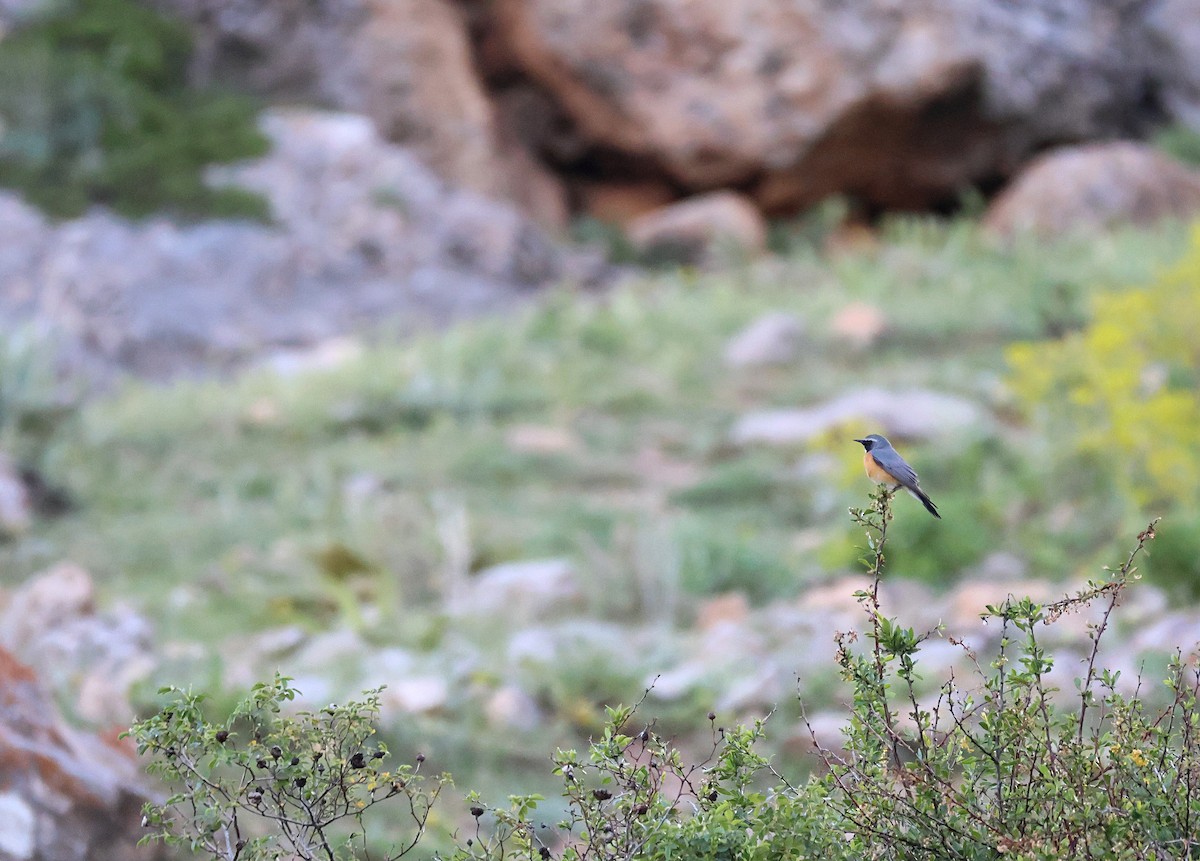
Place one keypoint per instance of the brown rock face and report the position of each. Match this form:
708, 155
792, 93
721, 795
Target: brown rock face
416, 82
899, 103
1095, 186
65, 795
407, 64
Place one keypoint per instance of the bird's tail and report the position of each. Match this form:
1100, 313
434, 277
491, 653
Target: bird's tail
925, 500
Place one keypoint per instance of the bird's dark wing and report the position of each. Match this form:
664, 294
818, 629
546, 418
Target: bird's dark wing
894, 463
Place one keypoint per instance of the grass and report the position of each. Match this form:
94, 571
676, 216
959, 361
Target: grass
351, 496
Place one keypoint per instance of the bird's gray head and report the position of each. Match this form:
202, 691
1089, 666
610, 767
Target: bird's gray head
872, 440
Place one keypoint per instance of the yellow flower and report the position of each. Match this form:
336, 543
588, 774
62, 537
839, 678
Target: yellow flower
1136, 757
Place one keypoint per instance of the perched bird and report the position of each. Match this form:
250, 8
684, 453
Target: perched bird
885, 466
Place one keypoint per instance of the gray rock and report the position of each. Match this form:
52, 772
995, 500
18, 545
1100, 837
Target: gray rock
511, 707
414, 695
772, 339
760, 689
999, 566
519, 591
1176, 630
17, 823
827, 729
548, 644
910, 414
679, 681
364, 235
340, 647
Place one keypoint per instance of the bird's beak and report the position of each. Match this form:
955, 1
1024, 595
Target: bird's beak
863, 441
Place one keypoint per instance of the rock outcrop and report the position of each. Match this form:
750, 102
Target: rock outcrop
363, 234
901, 105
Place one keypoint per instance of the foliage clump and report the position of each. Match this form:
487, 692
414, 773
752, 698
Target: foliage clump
1004, 763
95, 109
264, 786
1121, 401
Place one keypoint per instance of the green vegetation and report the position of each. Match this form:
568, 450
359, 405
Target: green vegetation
95, 109
1000, 765
1123, 391
594, 427
36, 409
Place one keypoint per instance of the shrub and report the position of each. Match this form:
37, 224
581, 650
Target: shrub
95, 109
1000, 764
261, 786
634, 796
1002, 767
1124, 390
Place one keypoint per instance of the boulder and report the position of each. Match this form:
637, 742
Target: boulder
911, 414
698, 229
66, 795
1095, 187
901, 104
772, 339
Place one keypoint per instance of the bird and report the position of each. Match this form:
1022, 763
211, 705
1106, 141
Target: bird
885, 466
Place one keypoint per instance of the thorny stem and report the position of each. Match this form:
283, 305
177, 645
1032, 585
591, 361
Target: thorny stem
1116, 584
876, 520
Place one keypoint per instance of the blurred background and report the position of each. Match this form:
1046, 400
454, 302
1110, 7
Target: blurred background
509, 353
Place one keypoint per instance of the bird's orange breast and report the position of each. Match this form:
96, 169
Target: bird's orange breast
877, 473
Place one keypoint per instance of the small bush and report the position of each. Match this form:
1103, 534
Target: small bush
261, 786
96, 109
1005, 764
